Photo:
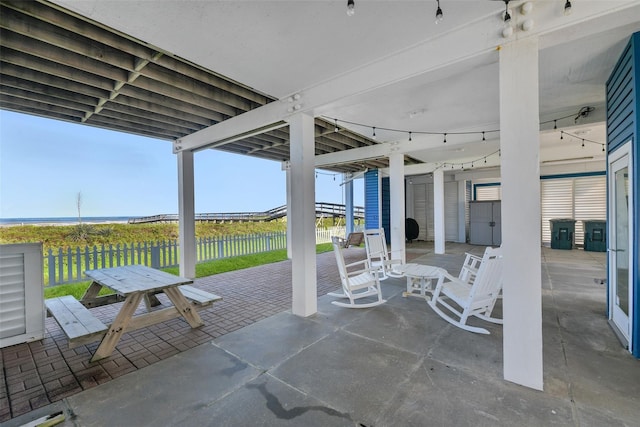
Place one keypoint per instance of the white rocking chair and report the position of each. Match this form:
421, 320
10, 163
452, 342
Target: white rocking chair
474, 298
378, 255
470, 268
355, 284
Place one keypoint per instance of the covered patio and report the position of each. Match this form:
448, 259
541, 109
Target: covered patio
395, 364
382, 92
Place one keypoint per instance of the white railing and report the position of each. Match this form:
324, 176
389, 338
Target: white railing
68, 265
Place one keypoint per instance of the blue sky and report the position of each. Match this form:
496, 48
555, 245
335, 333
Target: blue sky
45, 163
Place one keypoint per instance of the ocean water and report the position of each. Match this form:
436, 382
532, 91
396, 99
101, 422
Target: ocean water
63, 220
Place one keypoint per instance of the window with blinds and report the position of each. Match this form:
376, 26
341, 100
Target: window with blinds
580, 198
488, 192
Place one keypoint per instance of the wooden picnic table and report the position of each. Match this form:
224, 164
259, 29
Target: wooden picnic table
131, 284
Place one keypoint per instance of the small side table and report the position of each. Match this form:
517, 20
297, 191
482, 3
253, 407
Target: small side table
419, 278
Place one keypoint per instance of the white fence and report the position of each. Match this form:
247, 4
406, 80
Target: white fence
68, 266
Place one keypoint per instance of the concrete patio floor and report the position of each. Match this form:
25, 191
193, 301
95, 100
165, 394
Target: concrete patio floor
397, 364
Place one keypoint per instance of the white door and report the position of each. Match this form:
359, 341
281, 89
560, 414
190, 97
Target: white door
620, 203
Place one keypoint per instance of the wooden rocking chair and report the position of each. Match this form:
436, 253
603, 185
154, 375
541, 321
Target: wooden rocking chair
378, 255
474, 298
355, 284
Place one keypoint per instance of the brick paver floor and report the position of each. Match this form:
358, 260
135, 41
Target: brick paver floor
41, 372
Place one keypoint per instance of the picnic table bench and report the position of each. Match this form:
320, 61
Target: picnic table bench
130, 284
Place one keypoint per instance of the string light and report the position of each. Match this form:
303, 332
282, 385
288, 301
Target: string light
567, 8
473, 162
333, 175
480, 133
351, 8
584, 139
507, 16
439, 15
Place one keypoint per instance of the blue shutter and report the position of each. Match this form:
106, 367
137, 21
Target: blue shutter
371, 216
386, 209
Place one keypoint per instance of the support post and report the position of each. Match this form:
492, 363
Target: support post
303, 238
438, 211
186, 215
397, 204
286, 166
462, 203
348, 202
520, 170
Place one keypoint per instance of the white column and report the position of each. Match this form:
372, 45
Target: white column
348, 202
462, 202
186, 215
520, 170
438, 211
397, 205
286, 166
302, 214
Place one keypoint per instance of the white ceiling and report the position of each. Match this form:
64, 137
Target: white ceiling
281, 47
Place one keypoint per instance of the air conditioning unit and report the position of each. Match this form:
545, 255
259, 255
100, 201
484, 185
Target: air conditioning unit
21, 294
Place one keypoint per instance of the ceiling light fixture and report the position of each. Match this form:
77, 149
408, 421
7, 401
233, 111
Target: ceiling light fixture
439, 15
567, 8
351, 7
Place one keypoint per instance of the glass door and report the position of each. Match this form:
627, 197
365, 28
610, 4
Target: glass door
620, 240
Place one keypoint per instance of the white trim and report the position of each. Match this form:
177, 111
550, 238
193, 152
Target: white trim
625, 149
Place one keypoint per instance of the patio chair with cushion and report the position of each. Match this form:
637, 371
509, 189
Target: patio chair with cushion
463, 299
361, 283
379, 257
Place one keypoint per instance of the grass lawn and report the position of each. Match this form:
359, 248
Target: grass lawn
202, 270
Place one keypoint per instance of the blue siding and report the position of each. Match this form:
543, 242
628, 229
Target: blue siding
623, 124
371, 207
386, 209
